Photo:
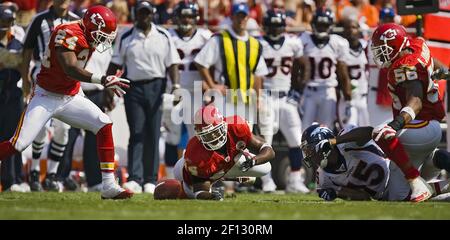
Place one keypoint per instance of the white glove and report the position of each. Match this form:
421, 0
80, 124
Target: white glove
117, 84
385, 131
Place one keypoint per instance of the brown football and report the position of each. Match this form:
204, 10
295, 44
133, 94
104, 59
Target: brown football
168, 189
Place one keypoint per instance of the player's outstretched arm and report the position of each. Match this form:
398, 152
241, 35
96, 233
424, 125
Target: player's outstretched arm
68, 62
414, 96
264, 150
360, 135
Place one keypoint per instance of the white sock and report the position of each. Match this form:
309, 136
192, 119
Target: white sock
169, 173
108, 178
36, 165
52, 166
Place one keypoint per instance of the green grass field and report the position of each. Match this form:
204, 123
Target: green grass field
244, 206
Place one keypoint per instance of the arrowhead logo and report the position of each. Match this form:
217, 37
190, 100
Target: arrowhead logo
97, 20
389, 34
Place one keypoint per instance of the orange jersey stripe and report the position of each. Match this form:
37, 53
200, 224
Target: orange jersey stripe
19, 127
417, 125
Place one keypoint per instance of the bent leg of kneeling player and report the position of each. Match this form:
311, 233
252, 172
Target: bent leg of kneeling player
81, 113
420, 141
32, 120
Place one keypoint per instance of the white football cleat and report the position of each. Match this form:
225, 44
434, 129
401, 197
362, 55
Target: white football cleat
269, 186
420, 190
296, 183
149, 188
133, 186
114, 191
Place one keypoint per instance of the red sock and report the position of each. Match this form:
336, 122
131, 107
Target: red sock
395, 152
105, 148
6, 150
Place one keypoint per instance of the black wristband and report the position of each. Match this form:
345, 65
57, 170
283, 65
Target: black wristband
398, 123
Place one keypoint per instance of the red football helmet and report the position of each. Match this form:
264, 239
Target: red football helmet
388, 41
210, 127
100, 25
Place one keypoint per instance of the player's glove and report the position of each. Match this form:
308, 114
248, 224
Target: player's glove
441, 73
113, 82
294, 97
117, 84
384, 131
248, 163
327, 194
216, 195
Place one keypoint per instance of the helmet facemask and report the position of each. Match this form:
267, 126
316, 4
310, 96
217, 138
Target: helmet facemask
213, 137
102, 41
314, 158
322, 29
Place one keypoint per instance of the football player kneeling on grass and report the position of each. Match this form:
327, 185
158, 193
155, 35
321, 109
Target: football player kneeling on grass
218, 152
352, 166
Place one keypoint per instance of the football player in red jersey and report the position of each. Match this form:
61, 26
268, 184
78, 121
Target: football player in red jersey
58, 95
220, 151
417, 106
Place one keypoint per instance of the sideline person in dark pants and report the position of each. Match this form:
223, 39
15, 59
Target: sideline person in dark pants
11, 103
147, 53
142, 107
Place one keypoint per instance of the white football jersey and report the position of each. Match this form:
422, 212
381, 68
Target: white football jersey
324, 58
188, 48
364, 167
279, 59
356, 61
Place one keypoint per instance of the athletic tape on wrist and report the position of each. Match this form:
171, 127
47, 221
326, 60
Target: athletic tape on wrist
264, 146
409, 111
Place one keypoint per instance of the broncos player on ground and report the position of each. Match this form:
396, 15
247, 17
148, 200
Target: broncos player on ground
283, 55
326, 53
188, 40
352, 166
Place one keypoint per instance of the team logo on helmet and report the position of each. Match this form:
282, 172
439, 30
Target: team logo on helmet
97, 20
389, 34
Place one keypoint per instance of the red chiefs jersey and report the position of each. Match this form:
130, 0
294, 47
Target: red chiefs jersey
211, 165
52, 77
411, 67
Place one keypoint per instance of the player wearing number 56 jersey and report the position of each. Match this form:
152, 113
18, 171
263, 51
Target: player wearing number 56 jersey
58, 93
326, 53
417, 107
